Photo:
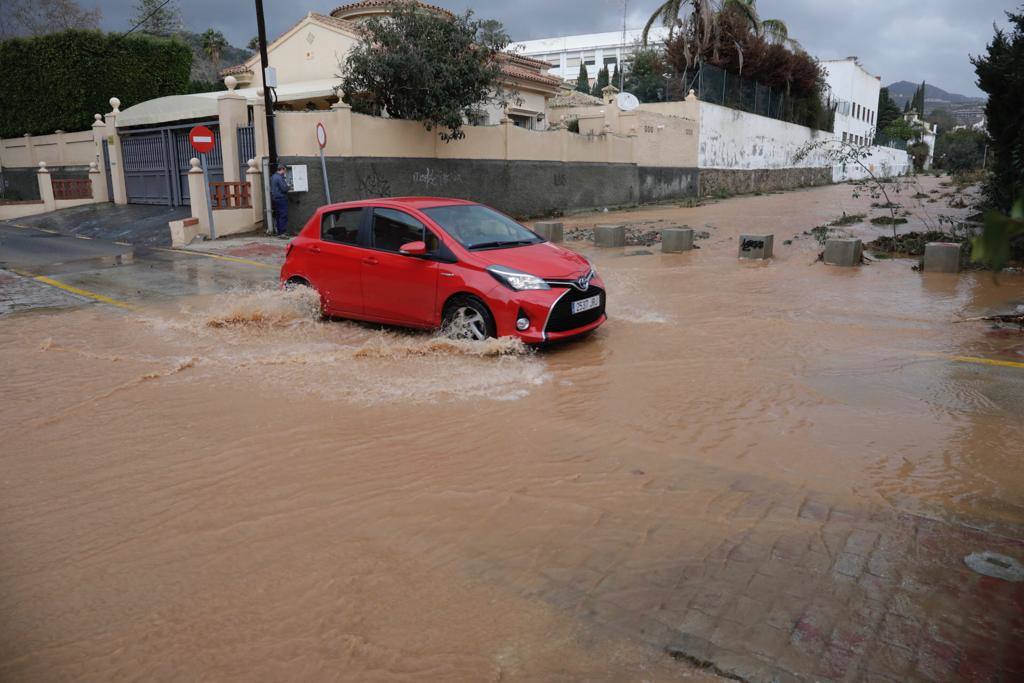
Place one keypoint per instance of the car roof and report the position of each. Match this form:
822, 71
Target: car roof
407, 202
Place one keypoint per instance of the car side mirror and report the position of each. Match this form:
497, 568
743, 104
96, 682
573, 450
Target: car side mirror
414, 249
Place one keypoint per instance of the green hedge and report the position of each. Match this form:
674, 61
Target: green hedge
60, 81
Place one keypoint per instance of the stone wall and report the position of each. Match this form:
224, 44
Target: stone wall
715, 181
658, 183
523, 189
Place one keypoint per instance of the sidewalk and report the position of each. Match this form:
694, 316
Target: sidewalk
253, 247
136, 224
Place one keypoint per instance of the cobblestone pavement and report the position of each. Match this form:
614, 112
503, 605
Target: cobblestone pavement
839, 593
21, 293
779, 584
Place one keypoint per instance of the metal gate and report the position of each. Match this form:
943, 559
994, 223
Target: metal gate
106, 172
246, 149
182, 155
156, 164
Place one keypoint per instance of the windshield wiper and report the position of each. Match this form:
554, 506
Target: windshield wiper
496, 245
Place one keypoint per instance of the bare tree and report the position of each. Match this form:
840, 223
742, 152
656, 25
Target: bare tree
40, 17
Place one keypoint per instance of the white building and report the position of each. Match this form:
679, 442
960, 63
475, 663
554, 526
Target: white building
595, 50
856, 93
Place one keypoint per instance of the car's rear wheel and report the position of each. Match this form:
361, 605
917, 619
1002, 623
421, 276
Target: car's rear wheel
466, 317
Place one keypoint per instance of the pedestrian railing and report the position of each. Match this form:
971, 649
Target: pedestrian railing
72, 189
230, 196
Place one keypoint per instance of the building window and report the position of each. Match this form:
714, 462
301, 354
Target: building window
477, 117
589, 59
610, 61
521, 121
555, 61
844, 137
572, 62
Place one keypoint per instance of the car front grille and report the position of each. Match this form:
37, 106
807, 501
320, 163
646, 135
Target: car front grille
562, 319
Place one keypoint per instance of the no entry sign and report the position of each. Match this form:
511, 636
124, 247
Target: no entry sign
321, 135
201, 139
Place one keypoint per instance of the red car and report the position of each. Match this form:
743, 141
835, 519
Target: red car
444, 263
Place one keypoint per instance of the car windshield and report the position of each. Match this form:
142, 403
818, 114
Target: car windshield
478, 227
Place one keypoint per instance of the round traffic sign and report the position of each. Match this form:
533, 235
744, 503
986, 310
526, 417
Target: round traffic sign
202, 139
321, 135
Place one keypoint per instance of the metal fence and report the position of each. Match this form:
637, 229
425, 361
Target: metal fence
718, 86
894, 143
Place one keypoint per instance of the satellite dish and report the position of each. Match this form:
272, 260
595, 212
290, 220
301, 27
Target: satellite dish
627, 101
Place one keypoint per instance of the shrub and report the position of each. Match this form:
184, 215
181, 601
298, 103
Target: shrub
919, 154
1001, 75
59, 81
740, 51
422, 67
960, 150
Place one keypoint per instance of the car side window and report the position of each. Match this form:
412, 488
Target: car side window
392, 229
341, 226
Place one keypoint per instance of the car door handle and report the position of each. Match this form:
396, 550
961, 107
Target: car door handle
370, 261
445, 273
315, 249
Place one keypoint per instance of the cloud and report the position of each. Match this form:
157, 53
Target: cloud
910, 40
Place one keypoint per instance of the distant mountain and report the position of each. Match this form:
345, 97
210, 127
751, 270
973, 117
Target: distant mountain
934, 98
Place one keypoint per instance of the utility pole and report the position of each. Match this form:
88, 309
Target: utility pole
622, 50
268, 99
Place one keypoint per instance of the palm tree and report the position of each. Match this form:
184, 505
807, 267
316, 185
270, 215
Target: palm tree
703, 27
214, 43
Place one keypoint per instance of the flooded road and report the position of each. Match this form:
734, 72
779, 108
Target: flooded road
768, 469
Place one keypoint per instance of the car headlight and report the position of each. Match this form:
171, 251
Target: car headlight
516, 279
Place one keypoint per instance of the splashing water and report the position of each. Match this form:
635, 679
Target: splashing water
279, 336
266, 308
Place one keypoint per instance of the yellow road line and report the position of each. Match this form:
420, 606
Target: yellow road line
233, 259
31, 227
83, 292
977, 361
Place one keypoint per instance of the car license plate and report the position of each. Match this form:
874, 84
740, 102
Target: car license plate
586, 304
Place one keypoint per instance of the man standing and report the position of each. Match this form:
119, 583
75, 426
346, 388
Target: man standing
279, 201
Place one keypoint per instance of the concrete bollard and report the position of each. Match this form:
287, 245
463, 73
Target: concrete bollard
610, 236
756, 246
942, 257
846, 252
552, 231
676, 239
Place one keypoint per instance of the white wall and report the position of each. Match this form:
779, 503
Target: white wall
732, 139
297, 59
560, 50
882, 161
852, 85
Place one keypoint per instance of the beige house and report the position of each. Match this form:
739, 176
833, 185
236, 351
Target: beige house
307, 57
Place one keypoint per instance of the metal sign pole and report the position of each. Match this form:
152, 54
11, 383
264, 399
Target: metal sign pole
206, 188
327, 185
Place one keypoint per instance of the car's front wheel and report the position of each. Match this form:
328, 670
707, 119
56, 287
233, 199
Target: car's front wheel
466, 317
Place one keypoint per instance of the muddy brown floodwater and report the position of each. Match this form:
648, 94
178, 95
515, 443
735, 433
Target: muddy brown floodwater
229, 488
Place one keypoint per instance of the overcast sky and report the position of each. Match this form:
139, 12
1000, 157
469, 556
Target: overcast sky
910, 40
